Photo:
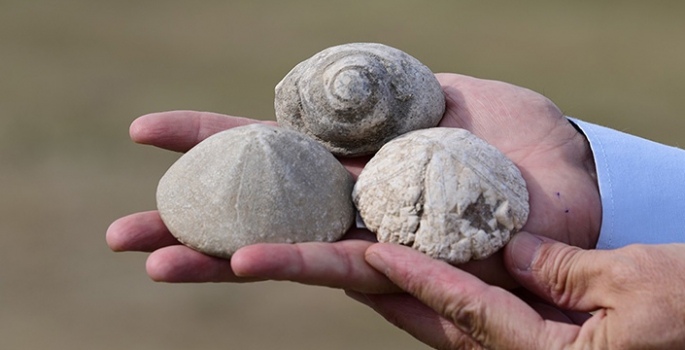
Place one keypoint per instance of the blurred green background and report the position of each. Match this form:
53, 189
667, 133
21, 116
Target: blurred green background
74, 74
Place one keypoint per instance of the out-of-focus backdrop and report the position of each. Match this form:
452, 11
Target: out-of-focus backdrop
74, 74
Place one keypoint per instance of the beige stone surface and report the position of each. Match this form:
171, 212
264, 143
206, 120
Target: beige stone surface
255, 184
444, 192
353, 98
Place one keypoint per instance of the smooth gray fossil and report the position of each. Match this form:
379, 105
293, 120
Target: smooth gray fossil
255, 184
353, 98
444, 192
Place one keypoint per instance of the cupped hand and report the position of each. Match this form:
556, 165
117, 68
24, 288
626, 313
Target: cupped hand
554, 158
340, 264
635, 293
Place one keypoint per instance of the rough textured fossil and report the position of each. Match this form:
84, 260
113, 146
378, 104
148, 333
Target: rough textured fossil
353, 98
255, 184
444, 192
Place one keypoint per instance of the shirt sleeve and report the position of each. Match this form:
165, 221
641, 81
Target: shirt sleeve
642, 188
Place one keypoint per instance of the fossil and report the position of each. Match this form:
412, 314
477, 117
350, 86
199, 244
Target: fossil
353, 98
255, 184
444, 192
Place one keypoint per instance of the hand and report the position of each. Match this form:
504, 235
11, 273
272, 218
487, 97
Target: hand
340, 264
636, 293
554, 158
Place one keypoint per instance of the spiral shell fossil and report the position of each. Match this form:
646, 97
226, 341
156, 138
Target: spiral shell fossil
444, 192
353, 98
255, 184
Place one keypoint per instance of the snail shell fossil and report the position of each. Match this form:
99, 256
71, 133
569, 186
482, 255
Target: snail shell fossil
444, 192
255, 184
353, 98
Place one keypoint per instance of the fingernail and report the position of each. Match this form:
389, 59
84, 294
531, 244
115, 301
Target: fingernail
524, 250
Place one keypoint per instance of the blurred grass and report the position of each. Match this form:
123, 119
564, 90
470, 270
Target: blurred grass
74, 74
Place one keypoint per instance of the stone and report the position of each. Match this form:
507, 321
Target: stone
353, 98
255, 184
444, 192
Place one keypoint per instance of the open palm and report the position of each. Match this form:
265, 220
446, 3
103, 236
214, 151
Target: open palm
553, 156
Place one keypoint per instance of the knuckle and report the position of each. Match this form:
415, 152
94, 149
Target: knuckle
567, 272
469, 317
558, 268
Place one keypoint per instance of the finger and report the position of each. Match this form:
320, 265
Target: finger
491, 316
182, 264
550, 312
181, 130
567, 276
337, 265
143, 232
409, 314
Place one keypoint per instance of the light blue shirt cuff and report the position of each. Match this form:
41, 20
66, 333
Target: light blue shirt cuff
642, 186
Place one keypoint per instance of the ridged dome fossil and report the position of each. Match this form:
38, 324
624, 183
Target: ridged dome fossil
444, 192
353, 98
255, 184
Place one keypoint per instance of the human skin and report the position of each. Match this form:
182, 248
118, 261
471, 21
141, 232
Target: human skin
636, 296
554, 158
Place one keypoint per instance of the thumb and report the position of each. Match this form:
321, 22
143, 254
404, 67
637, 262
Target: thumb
567, 276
